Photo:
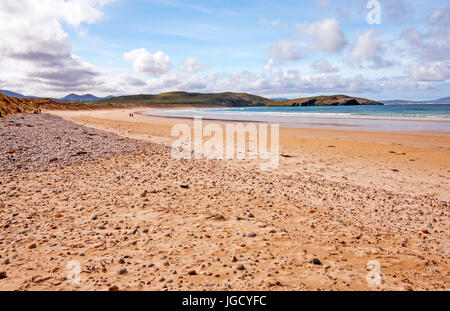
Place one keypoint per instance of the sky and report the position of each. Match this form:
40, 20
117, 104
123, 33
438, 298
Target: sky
385, 49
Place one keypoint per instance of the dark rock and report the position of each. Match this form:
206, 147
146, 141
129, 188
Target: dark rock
123, 271
316, 261
240, 267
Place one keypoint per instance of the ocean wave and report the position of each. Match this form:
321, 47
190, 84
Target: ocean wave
292, 116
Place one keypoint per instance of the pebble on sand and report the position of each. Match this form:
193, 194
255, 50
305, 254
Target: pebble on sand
192, 272
114, 288
32, 246
3, 275
240, 267
273, 283
316, 261
251, 234
123, 271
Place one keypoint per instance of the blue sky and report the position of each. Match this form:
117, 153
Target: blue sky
270, 48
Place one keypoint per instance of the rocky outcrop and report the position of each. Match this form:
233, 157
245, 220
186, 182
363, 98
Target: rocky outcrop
335, 100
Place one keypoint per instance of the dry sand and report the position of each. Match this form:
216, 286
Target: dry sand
144, 221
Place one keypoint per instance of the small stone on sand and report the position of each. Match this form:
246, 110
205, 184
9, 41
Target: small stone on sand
240, 267
316, 261
123, 271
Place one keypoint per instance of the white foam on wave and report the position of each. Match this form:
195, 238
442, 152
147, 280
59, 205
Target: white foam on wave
289, 117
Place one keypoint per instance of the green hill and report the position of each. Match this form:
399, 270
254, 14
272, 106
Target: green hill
228, 99
191, 99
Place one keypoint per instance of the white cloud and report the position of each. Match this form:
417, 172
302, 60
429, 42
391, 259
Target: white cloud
146, 63
191, 64
76, 12
285, 50
293, 82
178, 81
431, 43
279, 82
439, 15
269, 64
325, 35
367, 51
323, 66
437, 71
34, 43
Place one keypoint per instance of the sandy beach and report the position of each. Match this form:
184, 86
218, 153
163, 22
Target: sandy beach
115, 201
364, 158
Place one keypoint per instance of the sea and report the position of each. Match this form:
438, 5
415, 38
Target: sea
397, 118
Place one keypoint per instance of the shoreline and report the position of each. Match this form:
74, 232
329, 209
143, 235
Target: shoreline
306, 115
412, 154
330, 122
120, 115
